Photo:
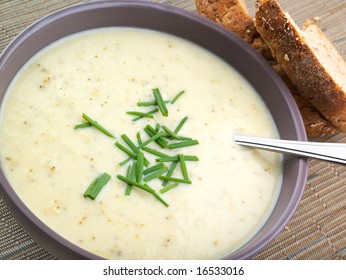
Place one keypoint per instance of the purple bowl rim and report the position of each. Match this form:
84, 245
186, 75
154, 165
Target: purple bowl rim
83, 7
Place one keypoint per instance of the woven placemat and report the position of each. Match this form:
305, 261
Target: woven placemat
317, 230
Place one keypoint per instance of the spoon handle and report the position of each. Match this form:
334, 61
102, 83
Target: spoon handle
334, 152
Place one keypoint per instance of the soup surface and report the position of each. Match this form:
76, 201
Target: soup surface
103, 73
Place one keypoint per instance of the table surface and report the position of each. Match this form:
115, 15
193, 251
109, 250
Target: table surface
317, 229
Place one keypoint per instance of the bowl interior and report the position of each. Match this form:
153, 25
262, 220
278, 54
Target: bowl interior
186, 25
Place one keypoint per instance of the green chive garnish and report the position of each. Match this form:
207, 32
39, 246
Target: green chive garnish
176, 158
180, 125
139, 166
128, 172
129, 143
136, 184
183, 167
133, 147
177, 96
173, 135
157, 128
130, 153
124, 161
151, 139
182, 144
155, 152
144, 187
139, 138
131, 175
150, 112
160, 140
173, 179
160, 103
160, 199
82, 125
96, 125
149, 103
87, 192
140, 114
137, 173
97, 185
170, 172
125, 150
155, 174
166, 189
153, 168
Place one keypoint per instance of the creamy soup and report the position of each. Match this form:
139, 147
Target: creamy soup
104, 73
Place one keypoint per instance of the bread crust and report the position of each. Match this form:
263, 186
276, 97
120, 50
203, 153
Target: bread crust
300, 63
315, 124
230, 14
233, 15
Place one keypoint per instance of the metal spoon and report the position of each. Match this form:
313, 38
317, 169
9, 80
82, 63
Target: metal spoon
333, 152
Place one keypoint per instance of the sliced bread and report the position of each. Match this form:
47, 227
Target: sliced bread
233, 15
311, 63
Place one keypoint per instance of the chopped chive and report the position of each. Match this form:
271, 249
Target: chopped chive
170, 172
82, 125
130, 143
149, 103
173, 135
182, 144
150, 112
100, 183
130, 153
180, 125
87, 192
139, 166
191, 158
124, 161
144, 187
96, 125
168, 188
146, 103
155, 152
176, 158
160, 140
157, 128
125, 150
153, 168
160, 103
177, 96
136, 184
131, 175
149, 130
133, 147
155, 174
160, 199
151, 139
97, 185
140, 114
173, 179
139, 138
128, 172
183, 167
